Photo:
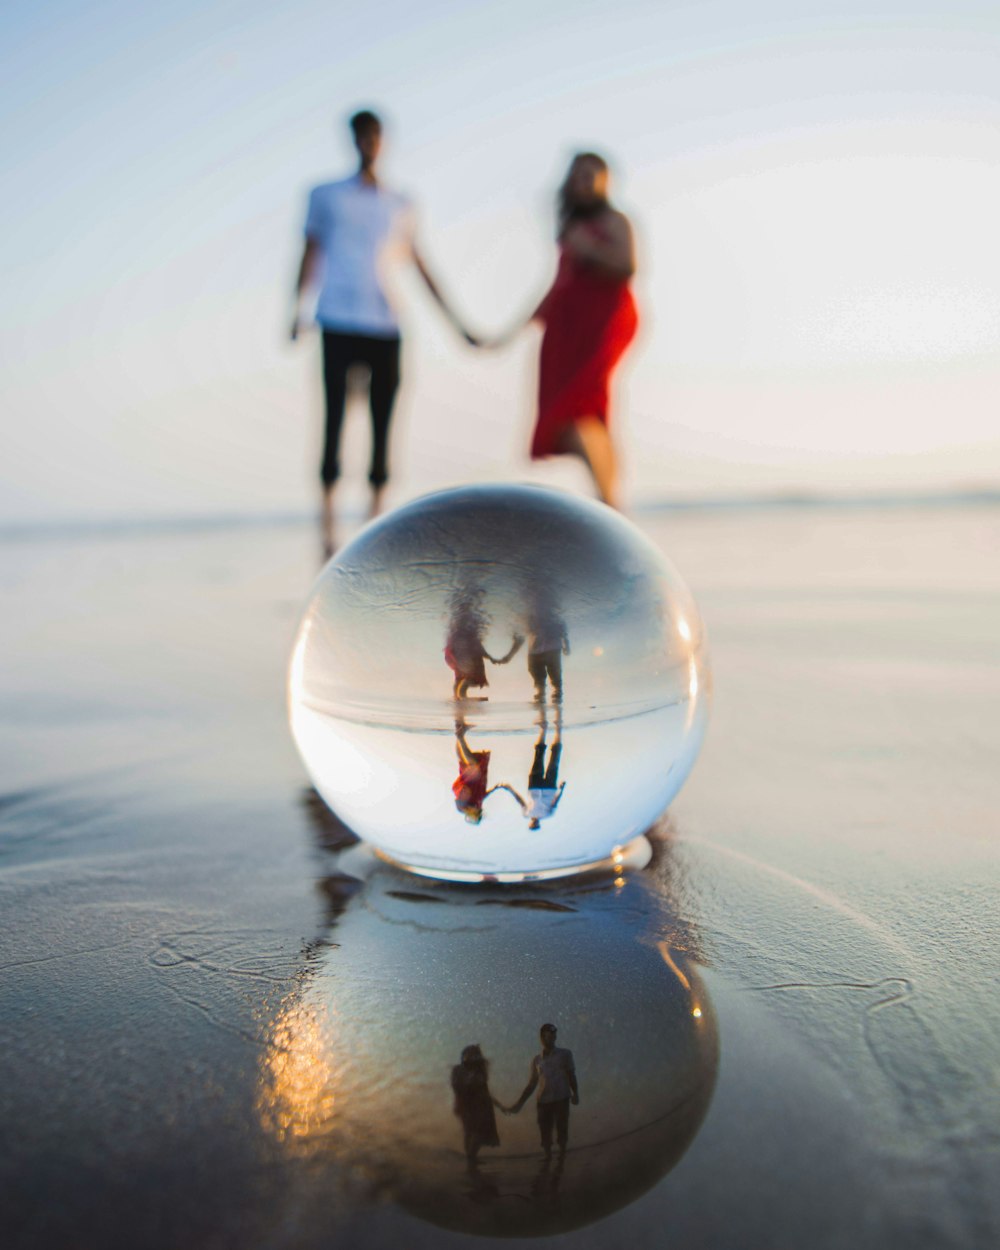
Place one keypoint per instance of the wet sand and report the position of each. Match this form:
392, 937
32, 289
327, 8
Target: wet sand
224, 1023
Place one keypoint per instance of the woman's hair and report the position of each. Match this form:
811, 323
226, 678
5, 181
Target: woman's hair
566, 208
473, 1056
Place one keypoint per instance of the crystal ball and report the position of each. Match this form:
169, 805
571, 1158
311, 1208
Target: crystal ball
499, 683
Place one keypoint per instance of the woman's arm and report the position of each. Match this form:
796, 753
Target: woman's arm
522, 323
431, 283
612, 252
515, 646
532, 1082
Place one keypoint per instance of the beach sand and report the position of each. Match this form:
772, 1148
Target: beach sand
226, 1024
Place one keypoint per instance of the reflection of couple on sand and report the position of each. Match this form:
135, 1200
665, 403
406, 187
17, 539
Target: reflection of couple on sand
354, 226
552, 1074
471, 788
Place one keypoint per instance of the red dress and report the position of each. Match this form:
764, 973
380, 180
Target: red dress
469, 788
590, 319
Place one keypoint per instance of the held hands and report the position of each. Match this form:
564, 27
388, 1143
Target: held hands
490, 344
299, 328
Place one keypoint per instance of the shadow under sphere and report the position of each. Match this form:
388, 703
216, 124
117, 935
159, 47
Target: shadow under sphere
358, 1071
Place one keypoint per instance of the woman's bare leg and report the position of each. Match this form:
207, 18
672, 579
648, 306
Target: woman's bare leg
589, 439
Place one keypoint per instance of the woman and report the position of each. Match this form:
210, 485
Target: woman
471, 787
464, 650
590, 318
474, 1103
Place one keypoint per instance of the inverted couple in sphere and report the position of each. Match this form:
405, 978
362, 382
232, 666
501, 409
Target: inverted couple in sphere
353, 226
471, 787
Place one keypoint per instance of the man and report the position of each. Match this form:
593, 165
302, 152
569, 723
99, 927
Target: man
544, 788
554, 1075
548, 642
353, 228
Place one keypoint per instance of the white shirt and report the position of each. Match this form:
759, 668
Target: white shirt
361, 230
554, 1071
542, 803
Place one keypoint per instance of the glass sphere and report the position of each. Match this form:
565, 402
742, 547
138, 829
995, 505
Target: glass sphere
500, 683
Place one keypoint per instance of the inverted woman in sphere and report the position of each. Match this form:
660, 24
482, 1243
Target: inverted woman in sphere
589, 319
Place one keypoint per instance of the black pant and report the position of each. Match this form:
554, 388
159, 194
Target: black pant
539, 778
340, 352
554, 1115
546, 663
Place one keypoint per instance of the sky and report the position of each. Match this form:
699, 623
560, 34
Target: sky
815, 189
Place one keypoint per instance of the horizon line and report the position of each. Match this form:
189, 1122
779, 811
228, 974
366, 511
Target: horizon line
792, 499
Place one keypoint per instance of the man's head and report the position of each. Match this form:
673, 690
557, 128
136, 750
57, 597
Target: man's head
548, 1035
367, 130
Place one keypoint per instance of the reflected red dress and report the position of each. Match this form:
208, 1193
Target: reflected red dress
590, 319
470, 786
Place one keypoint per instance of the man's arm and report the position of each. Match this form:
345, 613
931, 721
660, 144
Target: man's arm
432, 286
528, 1090
308, 268
503, 785
571, 1074
515, 646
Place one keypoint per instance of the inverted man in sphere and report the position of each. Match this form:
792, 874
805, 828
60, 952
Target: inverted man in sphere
354, 229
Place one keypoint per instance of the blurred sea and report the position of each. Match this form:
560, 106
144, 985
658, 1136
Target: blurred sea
87, 527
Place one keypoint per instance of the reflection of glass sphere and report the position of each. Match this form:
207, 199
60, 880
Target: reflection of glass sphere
499, 681
358, 1075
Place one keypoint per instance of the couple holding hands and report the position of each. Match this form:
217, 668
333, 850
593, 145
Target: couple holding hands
552, 1073
588, 316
